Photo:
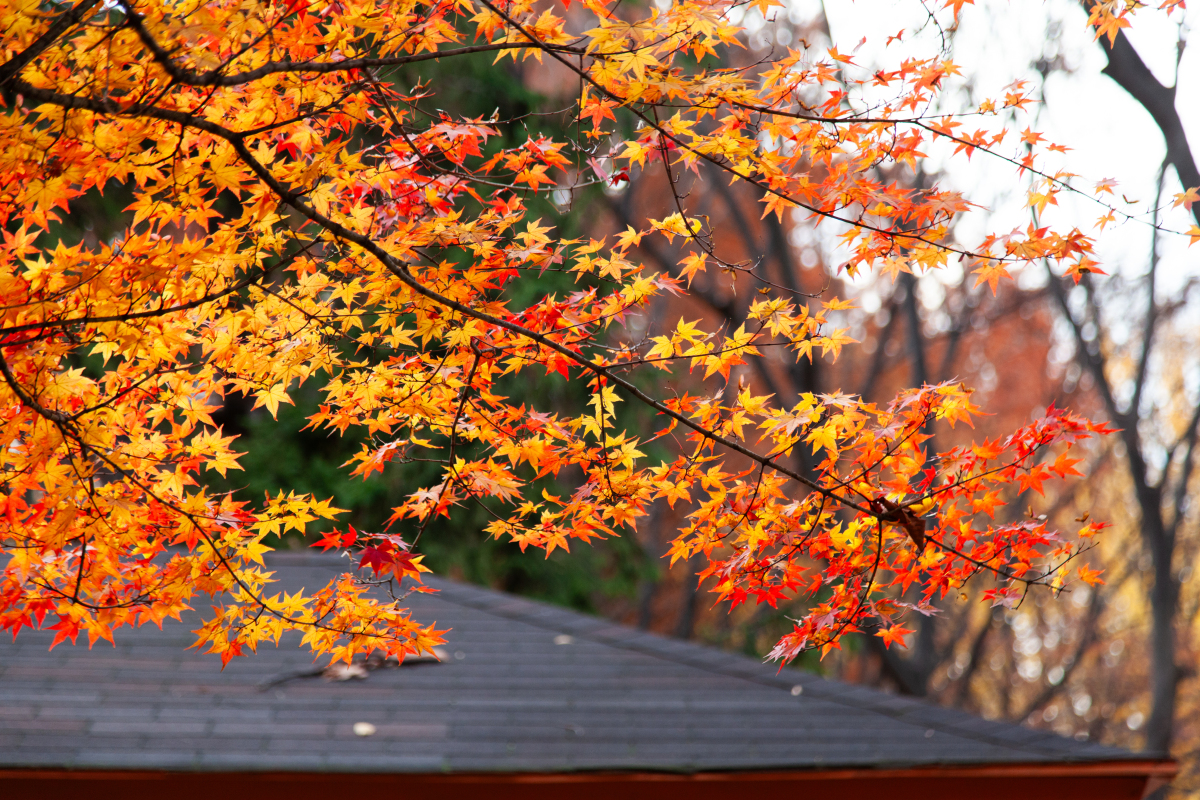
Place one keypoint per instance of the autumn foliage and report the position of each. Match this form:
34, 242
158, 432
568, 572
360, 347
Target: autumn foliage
297, 215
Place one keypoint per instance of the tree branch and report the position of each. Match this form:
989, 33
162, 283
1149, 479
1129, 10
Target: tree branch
1152, 310
1129, 72
63, 23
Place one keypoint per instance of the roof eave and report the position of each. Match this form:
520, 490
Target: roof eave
1123, 780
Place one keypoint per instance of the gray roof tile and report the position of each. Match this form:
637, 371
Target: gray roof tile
614, 698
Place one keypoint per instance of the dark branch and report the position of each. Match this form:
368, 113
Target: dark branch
1129, 72
63, 23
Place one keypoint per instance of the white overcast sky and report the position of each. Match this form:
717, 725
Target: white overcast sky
1111, 136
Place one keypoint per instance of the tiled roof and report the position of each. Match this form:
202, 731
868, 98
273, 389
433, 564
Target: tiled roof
525, 688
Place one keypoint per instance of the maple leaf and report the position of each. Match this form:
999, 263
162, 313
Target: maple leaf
838, 57
1032, 478
272, 397
990, 273
1186, 199
1084, 266
1107, 23
893, 266
1090, 576
764, 6
693, 263
823, 437
894, 634
629, 238
534, 176
598, 110
638, 60
1028, 136
1064, 466
336, 539
66, 628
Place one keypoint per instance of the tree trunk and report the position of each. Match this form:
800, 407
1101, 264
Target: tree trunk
1164, 603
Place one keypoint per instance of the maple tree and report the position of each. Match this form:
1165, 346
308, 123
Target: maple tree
298, 215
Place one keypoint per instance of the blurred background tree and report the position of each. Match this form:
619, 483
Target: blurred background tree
1116, 664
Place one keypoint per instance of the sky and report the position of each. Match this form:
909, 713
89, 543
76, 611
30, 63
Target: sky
1111, 136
